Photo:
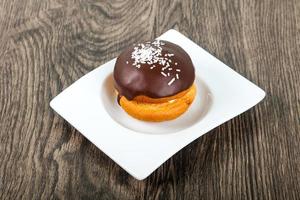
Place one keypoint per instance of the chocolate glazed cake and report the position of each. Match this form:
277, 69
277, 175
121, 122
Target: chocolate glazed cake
156, 70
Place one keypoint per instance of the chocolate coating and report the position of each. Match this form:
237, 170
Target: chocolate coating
132, 81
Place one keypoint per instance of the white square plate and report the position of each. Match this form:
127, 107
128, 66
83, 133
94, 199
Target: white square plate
139, 147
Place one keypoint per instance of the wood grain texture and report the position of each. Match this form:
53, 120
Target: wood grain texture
46, 45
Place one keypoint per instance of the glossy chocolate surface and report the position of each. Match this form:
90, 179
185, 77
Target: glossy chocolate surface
157, 69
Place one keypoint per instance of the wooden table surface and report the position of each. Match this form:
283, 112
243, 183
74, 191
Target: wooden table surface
47, 45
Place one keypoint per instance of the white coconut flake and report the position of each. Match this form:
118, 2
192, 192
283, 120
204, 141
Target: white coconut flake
147, 53
171, 81
167, 65
165, 75
150, 53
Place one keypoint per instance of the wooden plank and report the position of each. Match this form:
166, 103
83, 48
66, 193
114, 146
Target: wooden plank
47, 45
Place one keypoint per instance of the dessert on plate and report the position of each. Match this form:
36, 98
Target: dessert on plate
154, 81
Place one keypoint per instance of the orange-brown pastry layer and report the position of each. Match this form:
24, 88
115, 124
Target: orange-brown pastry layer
145, 99
161, 109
